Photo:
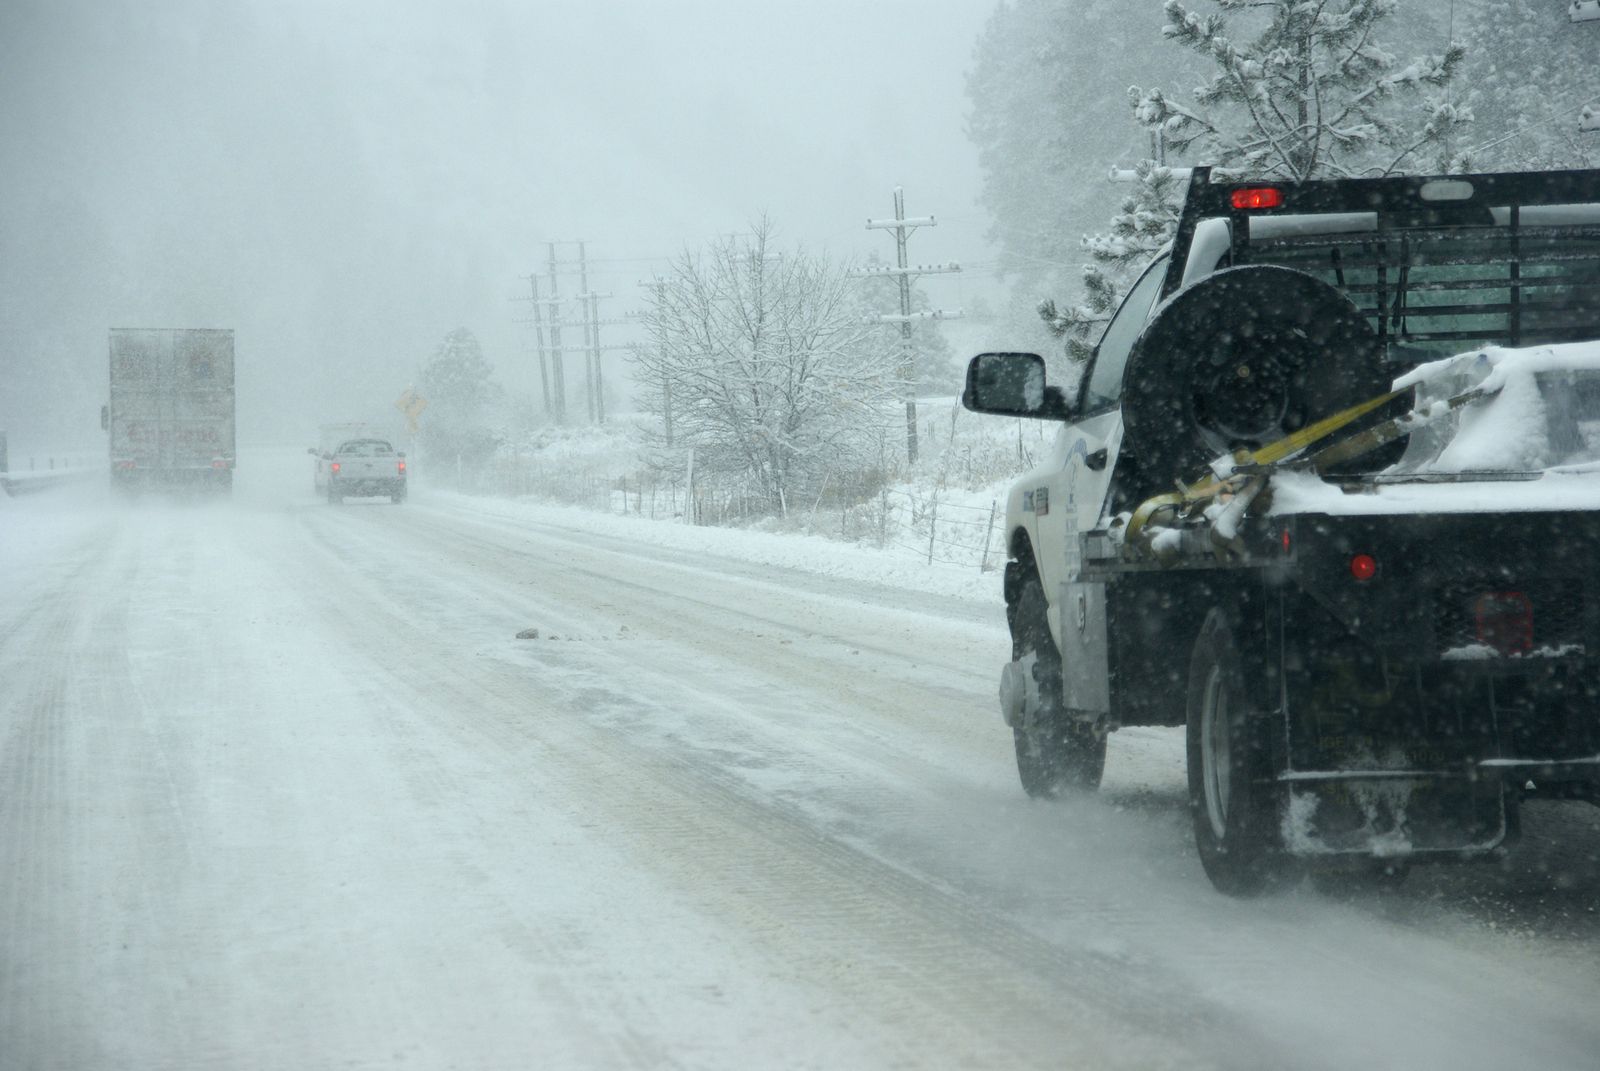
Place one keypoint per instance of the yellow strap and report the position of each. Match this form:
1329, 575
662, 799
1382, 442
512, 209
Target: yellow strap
1292, 444
1287, 446
1146, 510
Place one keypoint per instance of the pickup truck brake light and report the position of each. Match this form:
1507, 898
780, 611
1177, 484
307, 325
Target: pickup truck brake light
1257, 197
401, 467
333, 466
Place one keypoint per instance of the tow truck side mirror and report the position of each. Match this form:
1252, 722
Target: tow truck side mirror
1012, 384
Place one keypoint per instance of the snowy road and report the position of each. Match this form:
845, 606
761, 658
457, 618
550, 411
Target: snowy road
281, 788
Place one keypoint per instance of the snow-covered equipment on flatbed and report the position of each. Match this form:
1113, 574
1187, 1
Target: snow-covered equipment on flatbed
1328, 495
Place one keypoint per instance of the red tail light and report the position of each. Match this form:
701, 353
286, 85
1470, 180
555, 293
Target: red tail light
1363, 567
219, 463
401, 465
1257, 197
1505, 621
333, 466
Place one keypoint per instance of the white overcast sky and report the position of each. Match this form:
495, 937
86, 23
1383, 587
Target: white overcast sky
342, 183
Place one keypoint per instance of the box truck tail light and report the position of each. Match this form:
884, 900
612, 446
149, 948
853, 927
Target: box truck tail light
333, 466
1504, 621
125, 463
219, 462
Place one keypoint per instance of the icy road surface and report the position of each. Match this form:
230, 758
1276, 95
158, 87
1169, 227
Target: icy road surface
280, 788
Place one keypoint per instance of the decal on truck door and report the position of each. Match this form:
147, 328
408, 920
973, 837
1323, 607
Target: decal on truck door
1041, 501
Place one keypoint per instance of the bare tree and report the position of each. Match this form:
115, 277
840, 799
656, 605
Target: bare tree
761, 363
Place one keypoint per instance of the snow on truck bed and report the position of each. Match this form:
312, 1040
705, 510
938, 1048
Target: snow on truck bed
1530, 443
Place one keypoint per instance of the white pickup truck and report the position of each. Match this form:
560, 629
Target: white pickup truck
1327, 495
329, 436
366, 467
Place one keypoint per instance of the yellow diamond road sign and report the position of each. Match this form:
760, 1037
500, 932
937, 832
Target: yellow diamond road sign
411, 404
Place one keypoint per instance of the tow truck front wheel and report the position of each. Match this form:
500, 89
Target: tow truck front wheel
1056, 753
1236, 825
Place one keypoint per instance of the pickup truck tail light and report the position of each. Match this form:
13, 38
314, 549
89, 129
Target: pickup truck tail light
333, 466
400, 466
1257, 197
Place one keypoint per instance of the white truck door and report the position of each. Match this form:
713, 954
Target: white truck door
1092, 442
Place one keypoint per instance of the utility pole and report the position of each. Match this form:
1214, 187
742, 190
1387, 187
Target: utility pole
599, 371
555, 312
557, 355
538, 334
902, 227
588, 335
589, 310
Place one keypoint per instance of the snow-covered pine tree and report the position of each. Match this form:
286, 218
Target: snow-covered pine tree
1048, 86
462, 395
1311, 94
1530, 70
1144, 224
1303, 89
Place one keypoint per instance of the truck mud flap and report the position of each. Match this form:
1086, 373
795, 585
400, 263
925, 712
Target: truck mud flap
1392, 814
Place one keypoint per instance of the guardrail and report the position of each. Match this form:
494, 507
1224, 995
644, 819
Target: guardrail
23, 483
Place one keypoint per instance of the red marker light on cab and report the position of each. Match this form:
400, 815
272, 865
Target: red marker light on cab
1363, 567
1258, 197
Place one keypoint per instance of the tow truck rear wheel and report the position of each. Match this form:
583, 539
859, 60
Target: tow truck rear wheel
1056, 753
1236, 825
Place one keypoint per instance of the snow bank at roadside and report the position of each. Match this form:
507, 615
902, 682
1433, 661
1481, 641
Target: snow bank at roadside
784, 550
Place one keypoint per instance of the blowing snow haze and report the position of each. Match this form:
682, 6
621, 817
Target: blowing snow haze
343, 186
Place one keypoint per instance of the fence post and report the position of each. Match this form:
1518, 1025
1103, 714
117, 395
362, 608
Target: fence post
988, 533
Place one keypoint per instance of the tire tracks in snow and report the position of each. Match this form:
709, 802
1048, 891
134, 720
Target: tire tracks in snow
922, 957
1243, 964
